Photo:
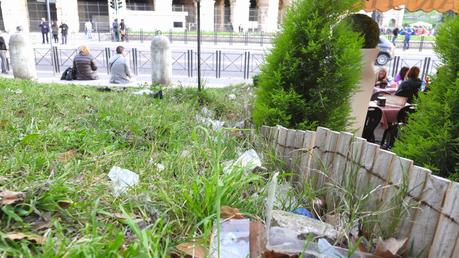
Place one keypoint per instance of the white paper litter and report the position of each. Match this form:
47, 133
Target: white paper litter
143, 92
160, 167
122, 179
232, 97
249, 160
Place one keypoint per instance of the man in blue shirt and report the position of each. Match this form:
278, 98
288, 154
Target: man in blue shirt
44, 27
408, 32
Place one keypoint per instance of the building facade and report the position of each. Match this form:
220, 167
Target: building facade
150, 15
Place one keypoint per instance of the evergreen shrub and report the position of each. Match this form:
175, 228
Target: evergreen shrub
431, 137
367, 27
313, 69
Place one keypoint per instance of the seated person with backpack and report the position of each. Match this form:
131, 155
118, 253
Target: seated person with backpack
84, 65
119, 68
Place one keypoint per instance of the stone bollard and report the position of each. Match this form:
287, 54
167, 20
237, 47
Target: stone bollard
161, 61
22, 57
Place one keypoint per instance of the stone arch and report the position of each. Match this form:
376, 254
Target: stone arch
222, 15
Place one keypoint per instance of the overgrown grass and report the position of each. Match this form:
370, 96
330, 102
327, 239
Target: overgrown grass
69, 199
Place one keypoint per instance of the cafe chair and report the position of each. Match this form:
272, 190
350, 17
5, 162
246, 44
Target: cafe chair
392, 133
372, 120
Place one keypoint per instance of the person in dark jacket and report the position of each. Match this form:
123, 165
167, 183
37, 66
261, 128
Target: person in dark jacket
411, 85
84, 65
395, 33
55, 31
64, 31
116, 30
44, 27
123, 30
3, 55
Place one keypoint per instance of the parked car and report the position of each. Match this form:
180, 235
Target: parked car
386, 51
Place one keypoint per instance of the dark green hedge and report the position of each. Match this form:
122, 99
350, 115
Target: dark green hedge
315, 64
431, 137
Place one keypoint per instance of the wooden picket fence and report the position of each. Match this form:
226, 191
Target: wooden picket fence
432, 227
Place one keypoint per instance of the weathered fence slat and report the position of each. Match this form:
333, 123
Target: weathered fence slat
319, 147
369, 156
416, 183
280, 144
325, 156
307, 147
448, 229
380, 178
427, 217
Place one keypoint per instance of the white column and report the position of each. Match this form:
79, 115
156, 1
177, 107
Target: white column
207, 15
268, 14
67, 10
22, 57
15, 13
240, 14
161, 61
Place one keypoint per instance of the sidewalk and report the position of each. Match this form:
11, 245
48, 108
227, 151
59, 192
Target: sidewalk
140, 81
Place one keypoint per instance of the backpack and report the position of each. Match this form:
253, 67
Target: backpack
67, 74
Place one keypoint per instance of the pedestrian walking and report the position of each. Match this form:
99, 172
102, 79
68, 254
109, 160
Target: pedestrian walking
44, 27
123, 30
395, 33
406, 43
3, 50
55, 31
116, 30
88, 29
64, 32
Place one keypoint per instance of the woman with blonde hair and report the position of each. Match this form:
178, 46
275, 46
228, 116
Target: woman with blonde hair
84, 65
381, 79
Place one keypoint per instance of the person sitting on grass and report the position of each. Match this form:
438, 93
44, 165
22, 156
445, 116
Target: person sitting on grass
119, 68
381, 79
411, 85
84, 65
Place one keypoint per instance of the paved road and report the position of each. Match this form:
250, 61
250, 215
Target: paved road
235, 63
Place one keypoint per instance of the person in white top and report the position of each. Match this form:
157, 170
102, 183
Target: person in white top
88, 29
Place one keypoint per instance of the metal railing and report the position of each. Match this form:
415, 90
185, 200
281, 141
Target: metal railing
218, 63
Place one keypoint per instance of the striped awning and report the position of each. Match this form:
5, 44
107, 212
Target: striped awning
412, 5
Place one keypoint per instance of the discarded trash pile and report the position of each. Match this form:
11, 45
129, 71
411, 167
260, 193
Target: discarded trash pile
296, 233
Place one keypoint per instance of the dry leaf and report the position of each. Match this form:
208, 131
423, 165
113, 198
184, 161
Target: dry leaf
228, 212
9, 197
31, 237
63, 157
64, 203
192, 250
390, 248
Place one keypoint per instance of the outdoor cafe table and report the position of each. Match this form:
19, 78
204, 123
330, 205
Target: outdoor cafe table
389, 90
389, 113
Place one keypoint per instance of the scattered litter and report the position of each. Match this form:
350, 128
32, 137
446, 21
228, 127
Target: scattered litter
15, 91
143, 92
391, 248
304, 212
21, 236
303, 225
185, 154
234, 239
160, 167
249, 161
216, 125
9, 197
122, 179
232, 97
285, 197
327, 250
